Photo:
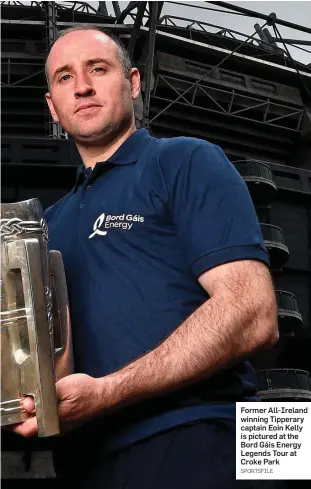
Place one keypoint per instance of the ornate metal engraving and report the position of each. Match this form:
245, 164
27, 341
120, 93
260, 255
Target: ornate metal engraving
14, 227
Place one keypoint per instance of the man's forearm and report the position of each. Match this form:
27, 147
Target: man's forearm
215, 335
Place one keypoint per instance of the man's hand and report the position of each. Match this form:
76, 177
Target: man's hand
80, 399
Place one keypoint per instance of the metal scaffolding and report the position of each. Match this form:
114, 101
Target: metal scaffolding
146, 25
197, 95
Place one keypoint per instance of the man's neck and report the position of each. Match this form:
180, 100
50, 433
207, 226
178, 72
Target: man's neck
91, 154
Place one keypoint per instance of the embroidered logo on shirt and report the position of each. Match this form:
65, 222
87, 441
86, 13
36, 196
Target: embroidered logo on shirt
110, 221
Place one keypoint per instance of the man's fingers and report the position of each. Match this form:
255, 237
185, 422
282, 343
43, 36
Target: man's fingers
29, 404
27, 428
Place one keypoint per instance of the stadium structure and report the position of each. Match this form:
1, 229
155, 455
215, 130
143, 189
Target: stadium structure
245, 93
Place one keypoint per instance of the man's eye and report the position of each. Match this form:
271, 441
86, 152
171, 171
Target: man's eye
100, 68
63, 78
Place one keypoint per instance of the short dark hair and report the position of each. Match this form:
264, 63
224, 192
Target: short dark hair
122, 51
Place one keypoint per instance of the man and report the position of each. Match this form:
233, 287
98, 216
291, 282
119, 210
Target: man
169, 288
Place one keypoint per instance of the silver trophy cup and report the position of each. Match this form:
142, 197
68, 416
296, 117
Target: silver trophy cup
36, 344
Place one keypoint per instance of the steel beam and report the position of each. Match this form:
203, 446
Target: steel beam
264, 38
153, 6
116, 8
268, 18
160, 7
102, 9
136, 28
293, 41
54, 130
51, 23
131, 6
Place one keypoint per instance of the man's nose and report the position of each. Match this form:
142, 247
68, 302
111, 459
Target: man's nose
84, 88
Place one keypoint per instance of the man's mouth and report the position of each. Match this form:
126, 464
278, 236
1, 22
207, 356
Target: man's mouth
88, 108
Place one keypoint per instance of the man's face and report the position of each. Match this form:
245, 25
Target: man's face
84, 68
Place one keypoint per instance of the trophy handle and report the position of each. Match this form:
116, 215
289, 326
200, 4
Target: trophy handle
63, 353
24, 255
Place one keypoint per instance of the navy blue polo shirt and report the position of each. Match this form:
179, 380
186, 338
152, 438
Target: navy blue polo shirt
135, 234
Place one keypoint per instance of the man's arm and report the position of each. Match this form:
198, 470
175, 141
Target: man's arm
239, 318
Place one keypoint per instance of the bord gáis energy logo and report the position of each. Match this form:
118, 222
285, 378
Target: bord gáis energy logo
110, 221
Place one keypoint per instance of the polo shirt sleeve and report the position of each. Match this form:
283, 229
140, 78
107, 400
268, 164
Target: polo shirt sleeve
213, 212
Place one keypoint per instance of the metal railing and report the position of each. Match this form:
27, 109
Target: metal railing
284, 379
272, 233
287, 301
254, 168
260, 108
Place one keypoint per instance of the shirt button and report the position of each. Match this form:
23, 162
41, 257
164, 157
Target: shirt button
81, 206
89, 187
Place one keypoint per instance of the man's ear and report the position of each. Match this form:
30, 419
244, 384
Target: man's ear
135, 83
51, 107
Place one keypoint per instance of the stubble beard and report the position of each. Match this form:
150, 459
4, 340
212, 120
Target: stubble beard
101, 132
97, 133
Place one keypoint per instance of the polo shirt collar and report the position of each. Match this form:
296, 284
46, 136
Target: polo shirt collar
129, 152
